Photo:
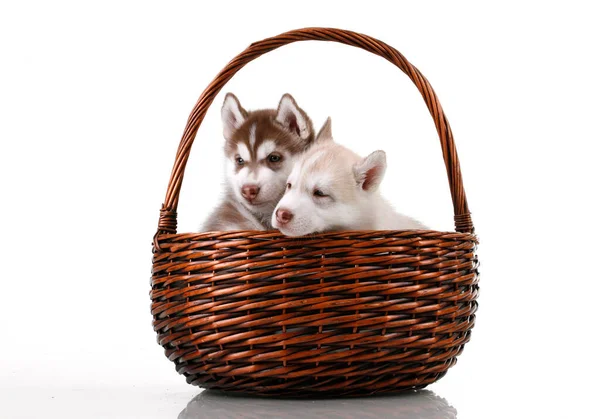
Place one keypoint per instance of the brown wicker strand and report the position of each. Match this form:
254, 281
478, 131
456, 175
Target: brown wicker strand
463, 222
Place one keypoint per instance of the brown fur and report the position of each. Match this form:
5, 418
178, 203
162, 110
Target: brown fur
228, 214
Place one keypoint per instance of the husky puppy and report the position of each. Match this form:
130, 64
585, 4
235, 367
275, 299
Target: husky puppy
332, 188
260, 149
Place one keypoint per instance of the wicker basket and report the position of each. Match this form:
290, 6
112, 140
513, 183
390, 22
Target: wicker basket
352, 312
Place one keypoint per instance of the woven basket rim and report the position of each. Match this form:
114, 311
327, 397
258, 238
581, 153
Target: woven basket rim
341, 234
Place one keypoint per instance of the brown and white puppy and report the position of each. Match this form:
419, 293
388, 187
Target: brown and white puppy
260, 149
333, 188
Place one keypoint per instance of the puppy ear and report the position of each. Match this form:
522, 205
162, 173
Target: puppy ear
370, 170
232, 115
325, 132
294, 119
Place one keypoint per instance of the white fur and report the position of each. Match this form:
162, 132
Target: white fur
252, 138
243, 152
266, 179
352, 185
232, 115
310, 159
266, 148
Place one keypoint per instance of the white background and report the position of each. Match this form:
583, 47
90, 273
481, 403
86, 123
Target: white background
94, 97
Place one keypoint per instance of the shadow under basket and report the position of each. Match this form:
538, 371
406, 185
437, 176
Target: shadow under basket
343, 313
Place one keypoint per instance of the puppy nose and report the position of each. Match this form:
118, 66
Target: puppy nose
283, 216
250, 191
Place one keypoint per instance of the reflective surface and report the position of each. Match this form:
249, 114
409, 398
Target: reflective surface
420, 404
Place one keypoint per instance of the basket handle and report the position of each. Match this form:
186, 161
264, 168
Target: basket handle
462, 218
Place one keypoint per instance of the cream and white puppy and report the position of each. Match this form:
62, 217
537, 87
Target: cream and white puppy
333, 188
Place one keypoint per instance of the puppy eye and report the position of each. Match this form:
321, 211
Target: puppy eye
274, 158
289, 185
319, 193
239, 161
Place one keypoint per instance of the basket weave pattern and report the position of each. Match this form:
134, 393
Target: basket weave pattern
338, 313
